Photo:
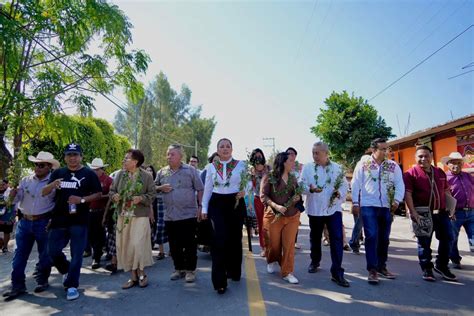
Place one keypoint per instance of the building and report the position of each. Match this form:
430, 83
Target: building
455, 135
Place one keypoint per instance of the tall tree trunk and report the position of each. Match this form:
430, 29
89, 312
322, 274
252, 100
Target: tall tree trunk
5, 155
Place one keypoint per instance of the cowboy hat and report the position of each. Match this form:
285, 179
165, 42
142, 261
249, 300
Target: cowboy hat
452, 156
44, 156
97, 163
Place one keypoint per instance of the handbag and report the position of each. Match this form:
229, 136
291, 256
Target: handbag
424, 227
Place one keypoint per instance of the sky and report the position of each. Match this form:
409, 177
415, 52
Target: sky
263, 69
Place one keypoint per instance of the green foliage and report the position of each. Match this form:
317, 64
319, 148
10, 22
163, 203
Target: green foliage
164, 117
62, 53
348, 124
96, 137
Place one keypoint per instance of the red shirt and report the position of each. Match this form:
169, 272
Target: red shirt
105, 182
418, 183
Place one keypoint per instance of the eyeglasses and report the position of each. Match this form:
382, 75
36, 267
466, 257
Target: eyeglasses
40, 165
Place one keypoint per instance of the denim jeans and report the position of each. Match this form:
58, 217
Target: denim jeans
27, 232
466, 219
356, 232
58, 238
377, 226
334, 225
443, 230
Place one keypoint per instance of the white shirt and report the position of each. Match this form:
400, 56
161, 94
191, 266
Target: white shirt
217, 182
371, 180
317, 204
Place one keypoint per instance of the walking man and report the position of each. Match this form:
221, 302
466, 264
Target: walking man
462, 188
426, 187
34, 213
76, 186
179, 183
377, 189
325, 188
97, 208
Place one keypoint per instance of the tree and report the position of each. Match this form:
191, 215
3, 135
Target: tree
348, 124
59, 130
59, 53
164, 117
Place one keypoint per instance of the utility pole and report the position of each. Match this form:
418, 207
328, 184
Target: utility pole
273, 143
196, 148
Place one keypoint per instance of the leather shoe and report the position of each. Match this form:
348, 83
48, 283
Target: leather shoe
221, 290
41, 288
312, 268
340, 281
14, 293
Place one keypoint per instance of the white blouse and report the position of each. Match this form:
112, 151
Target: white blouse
219, 182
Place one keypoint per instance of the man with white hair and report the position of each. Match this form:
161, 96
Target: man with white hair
35, 211
461, 185
325, 187
180, 185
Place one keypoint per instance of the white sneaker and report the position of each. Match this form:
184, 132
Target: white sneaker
271, 267
290, 278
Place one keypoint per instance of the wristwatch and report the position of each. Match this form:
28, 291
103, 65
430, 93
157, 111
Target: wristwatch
83, 200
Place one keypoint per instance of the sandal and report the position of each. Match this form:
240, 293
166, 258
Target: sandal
129, 284
143, 281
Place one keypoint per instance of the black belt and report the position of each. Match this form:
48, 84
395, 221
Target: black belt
36, 217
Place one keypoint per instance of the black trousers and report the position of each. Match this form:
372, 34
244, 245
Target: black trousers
226, 243
96, 235
182, 240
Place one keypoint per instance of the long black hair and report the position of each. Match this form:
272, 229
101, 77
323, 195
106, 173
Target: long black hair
153, 172
279, 165
253, 157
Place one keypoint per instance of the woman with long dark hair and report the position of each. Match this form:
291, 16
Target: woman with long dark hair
258, 171
221, 190
279, 193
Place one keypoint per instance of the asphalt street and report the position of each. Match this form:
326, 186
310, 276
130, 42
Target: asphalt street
260, 293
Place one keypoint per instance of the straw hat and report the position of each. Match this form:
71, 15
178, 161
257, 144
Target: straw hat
44, 156
452, 156
97, 163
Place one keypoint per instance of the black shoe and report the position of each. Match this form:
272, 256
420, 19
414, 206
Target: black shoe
445, 273
221, 290
86, 254
428, 275
340, 281
4, 249
111, 267
95, 264
346, 247
41, 288
312, 268
14, 293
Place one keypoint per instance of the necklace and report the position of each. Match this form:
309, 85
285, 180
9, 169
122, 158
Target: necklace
220, 171
316, 178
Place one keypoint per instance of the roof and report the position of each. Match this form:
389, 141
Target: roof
434, 130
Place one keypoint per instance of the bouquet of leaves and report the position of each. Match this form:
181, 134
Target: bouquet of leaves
391, 194
337, 185
131, 188
245, 177
298, 191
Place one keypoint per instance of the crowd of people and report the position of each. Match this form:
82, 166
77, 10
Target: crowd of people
129, 212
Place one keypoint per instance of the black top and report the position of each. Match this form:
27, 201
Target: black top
82, 182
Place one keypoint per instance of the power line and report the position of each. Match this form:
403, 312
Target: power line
40, 43
461, 74
420, 63
306, 30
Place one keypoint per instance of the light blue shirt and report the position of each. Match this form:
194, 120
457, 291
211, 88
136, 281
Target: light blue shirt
29, 199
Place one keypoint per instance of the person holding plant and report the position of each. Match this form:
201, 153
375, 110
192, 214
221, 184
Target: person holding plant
279, 193
222, 190
325, 189
132, 192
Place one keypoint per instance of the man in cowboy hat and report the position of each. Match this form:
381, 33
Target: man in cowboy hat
78, 186
462, 188
97, 208
35, 212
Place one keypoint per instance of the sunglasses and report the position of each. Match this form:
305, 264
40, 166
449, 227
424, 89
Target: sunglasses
41, 165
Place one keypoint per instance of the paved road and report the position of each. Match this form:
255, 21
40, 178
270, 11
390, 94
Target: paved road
315, 295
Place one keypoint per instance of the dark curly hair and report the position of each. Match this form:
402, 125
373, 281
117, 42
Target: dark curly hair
279, 165
253, 157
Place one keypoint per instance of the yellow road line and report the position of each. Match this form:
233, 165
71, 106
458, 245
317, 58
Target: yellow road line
254, 293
